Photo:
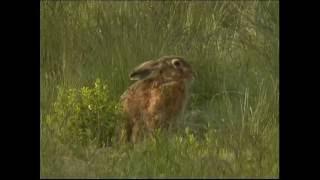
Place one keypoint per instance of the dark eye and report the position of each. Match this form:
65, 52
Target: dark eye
176, 63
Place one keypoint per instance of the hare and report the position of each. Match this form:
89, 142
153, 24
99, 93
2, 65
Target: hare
158, 96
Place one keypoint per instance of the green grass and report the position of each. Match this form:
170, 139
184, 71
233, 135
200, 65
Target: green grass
231, 126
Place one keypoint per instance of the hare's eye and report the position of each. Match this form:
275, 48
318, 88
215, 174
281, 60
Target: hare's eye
176, 63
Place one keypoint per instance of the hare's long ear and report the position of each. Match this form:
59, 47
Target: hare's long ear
140, 74
146, 70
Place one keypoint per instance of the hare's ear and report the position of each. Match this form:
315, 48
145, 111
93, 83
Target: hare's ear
140, 74
144, 71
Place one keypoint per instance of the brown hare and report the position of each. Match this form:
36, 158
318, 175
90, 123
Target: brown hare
158, 96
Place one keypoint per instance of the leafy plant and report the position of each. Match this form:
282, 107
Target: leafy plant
84, 115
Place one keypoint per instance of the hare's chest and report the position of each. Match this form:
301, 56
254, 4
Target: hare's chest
168, 97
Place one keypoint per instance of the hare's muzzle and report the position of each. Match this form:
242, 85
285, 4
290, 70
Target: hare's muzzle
189, 76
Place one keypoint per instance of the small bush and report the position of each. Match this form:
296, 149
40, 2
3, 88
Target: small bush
85, 115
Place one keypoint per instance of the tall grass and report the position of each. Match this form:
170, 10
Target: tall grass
231, 126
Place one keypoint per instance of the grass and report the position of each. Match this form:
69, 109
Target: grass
231, 126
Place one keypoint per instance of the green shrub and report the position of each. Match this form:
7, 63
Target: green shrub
85, 115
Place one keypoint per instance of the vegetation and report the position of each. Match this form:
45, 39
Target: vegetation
231, 126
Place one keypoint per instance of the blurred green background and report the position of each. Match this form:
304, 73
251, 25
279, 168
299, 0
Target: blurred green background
231, 126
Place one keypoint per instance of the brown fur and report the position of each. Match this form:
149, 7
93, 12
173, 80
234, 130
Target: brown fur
157, 97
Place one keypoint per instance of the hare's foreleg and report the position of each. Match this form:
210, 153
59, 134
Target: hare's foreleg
128, 128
